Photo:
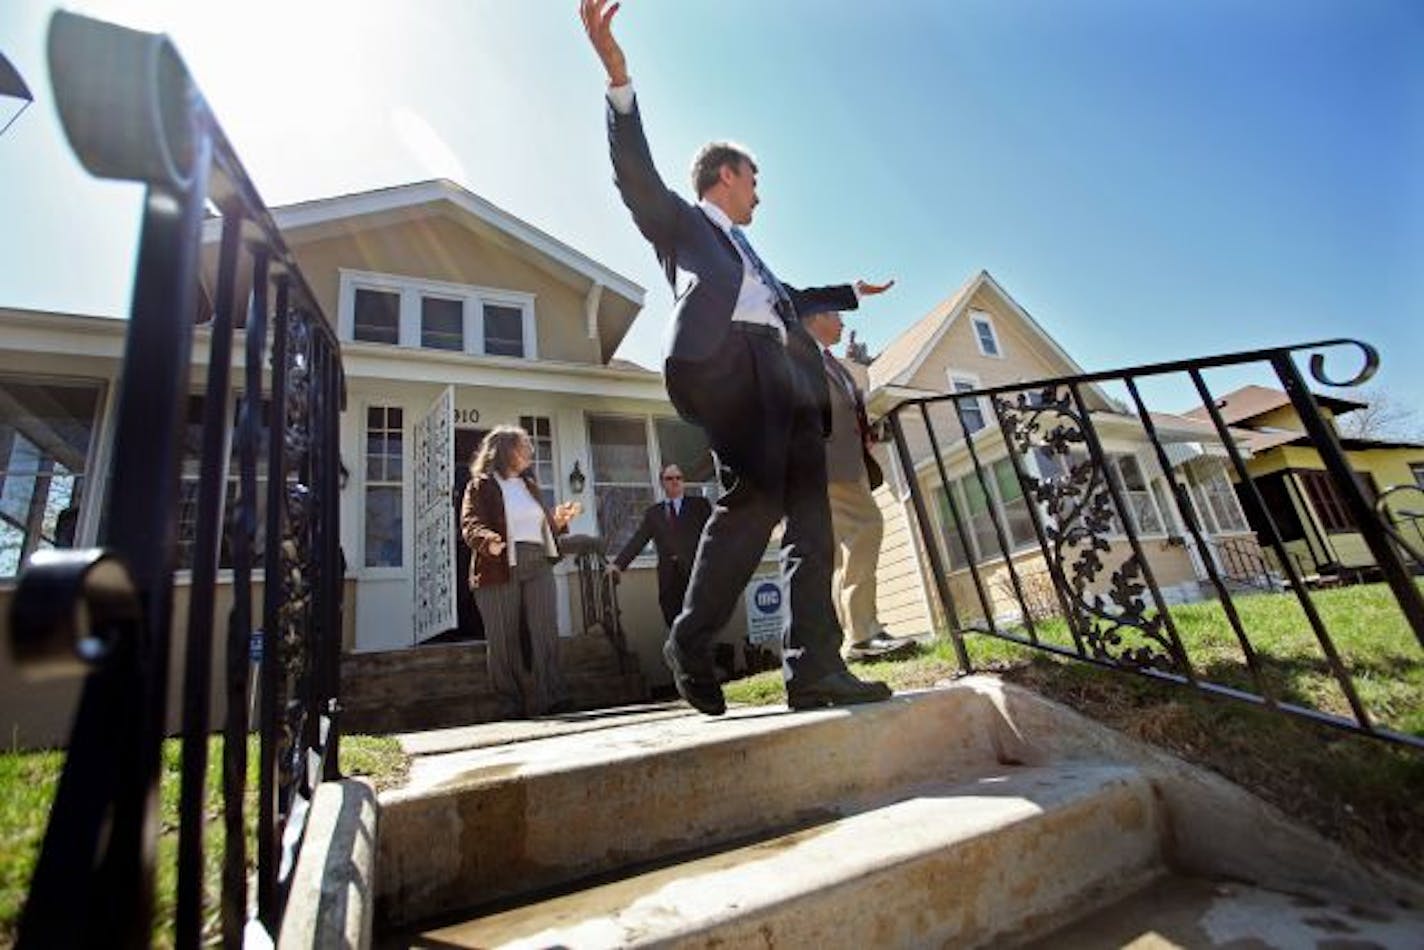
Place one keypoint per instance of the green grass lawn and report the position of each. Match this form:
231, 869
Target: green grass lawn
27, 786
1367, 794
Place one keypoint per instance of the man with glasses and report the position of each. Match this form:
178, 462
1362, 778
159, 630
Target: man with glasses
674, 525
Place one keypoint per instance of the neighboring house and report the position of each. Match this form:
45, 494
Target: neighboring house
978, 338
1302, 499
454, 316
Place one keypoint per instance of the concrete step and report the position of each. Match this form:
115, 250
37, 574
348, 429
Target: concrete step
476, 825
965, 864
1200, 914
442, 685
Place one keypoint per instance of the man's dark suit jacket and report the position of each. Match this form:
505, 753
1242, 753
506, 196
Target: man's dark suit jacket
676, 543
705, 271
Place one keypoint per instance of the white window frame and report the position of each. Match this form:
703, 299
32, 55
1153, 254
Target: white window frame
412, 289
978, 318
359, 567
956, 377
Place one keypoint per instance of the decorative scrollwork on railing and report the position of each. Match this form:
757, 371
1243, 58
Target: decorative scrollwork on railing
297, 551
1072, 490
1365, 373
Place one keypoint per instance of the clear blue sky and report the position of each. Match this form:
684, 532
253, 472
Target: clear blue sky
1149, 179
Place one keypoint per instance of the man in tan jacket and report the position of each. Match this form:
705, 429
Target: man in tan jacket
852, 474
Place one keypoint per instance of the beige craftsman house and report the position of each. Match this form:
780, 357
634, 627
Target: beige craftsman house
454, 316
978, 338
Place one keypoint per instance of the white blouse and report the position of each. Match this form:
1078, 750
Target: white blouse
523, 515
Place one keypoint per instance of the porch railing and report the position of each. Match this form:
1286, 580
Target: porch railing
132, 112
1023, 507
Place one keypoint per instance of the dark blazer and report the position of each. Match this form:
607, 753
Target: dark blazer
674, 540
704, 270
482, 521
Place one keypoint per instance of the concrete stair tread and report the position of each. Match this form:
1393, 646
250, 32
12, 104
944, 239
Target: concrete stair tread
681, 731
1195, 913
938, 839
486, 735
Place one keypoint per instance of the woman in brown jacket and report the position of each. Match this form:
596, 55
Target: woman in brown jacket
511, 536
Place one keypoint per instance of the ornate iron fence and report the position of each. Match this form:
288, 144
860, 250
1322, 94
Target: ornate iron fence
132, 112
1026, 488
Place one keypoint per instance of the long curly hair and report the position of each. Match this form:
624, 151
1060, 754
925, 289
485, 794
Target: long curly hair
495, 455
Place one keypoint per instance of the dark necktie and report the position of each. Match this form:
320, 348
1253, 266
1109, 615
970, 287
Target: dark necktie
672, 512
784, 307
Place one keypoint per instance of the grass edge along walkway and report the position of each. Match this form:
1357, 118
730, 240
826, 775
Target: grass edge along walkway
27, 786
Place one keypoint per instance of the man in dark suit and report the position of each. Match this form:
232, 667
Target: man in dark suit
739, 365
674, 526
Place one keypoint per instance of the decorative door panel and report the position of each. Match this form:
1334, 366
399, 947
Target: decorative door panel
435, 610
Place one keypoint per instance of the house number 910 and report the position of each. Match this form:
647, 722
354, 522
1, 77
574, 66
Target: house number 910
467, 416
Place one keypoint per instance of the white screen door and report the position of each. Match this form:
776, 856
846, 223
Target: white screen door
435, 519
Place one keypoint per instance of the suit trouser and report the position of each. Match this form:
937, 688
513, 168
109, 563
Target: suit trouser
771, 456
672, 590
531, 590
859, 527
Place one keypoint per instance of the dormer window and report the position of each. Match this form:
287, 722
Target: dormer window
376, 316
984, 333
436, 315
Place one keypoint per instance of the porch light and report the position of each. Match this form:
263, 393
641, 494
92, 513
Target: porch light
577, 481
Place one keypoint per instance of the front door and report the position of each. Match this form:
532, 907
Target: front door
467, 442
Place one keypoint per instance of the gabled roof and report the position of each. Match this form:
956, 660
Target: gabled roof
304, 214
1244, 404
307, 220
899, 362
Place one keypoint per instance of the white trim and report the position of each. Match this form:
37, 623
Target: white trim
358, 568
972, 379
344, 207
413, 290
978, 317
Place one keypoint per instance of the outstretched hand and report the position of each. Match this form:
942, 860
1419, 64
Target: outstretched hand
870, 290
598, 24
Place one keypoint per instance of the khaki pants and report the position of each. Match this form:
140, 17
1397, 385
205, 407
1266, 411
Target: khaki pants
858, 526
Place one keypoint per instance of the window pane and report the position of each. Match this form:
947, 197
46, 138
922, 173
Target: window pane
971, 409
540, 431
383, 526
377, 316
442, 323
981, 519
685, 445
620, 450
1017, 518
986, 337
620, 508
45, 433
504, 330
952, 541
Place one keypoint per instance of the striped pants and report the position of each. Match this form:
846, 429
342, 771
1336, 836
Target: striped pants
531, 690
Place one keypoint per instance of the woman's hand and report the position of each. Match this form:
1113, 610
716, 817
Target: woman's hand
495, 547
566, 512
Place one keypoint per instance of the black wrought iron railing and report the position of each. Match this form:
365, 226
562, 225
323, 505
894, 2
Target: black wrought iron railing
598, 593
132, 112
1041, 499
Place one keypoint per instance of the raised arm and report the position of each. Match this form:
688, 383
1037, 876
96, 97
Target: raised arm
656, 209
598, 24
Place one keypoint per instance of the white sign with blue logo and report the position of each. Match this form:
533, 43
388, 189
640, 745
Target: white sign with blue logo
766, 610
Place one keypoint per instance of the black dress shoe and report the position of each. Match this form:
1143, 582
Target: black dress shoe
838, 689
882, 646
701, 692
